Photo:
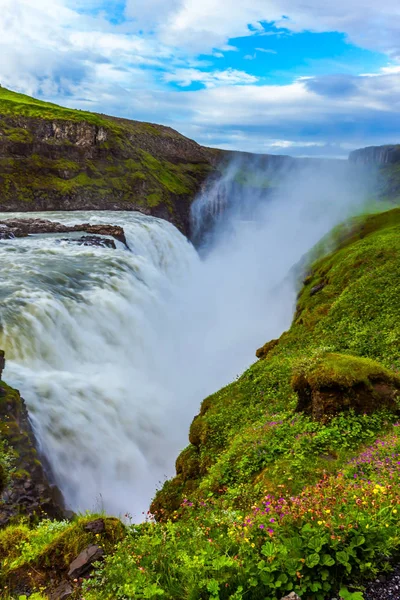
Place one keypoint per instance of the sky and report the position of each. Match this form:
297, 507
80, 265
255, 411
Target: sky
299, 77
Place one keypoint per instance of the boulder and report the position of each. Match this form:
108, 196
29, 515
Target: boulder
332, 383
62, 591
97, 526
291, 596
84, 561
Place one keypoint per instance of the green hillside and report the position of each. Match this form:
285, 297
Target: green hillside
291, 479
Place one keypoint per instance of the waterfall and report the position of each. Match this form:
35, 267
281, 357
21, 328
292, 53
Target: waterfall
114, 349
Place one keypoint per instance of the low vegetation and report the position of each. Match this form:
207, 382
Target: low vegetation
272, 496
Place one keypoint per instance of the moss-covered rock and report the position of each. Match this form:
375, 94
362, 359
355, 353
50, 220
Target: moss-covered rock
266, 349
332, 383
40, 557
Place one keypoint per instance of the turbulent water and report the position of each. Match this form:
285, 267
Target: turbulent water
114, 350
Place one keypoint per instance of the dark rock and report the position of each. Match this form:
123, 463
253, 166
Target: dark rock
97, 526
24, 227
5, 233
2, 362
29, 490
62, 592
83, 563
91, 240
266, 349
317, 288
386, 586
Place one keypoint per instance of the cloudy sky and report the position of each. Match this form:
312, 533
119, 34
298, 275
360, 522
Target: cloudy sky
301, 77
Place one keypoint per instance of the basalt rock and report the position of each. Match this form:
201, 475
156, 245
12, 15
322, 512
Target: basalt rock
2, 363
20, 228
29, 491
91, 240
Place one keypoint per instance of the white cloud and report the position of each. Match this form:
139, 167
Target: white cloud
48, 48
209, 24
266, 50
185, 77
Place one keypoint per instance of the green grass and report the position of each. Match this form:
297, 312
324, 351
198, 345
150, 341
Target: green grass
14, 104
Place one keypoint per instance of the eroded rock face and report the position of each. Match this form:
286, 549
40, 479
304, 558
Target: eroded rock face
19, 228
29, 491
266, 349
338, 382
376, 155
362, 398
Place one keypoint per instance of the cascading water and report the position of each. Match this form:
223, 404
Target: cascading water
114, 350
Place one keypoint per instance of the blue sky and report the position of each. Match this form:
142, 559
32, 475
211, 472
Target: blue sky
278, 76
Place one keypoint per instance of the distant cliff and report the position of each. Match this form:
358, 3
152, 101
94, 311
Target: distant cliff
376, 155
386, 161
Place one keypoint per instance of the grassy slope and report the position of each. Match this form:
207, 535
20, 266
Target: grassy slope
139, 163
266, 499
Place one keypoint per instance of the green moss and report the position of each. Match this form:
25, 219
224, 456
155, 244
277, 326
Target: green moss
165, 173
13, 103
154, 199
343, 370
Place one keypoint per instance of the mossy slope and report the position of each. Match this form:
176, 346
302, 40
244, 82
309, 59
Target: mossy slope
244, 437
54, 158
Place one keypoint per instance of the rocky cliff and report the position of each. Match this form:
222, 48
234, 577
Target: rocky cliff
54, 158
376, 155
24, 485
386, 161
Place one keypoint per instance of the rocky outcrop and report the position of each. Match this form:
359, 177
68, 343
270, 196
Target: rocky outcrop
266, 349
91, 240
28, 491
52, 158
376, 155
18, 228
334, 383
